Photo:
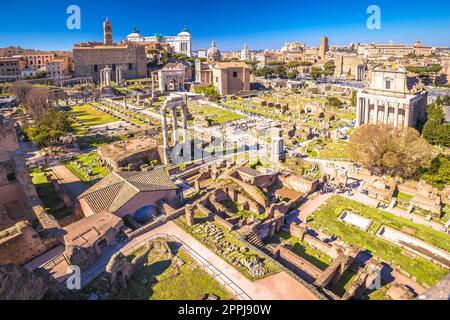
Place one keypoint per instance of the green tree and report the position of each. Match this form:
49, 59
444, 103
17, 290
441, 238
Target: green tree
334, 102
40, 75
49, 130
438, 174
276, 63
280, 71
328, 69
316, 72
435, 130
209, 91
425, 71
263, 72
293, 74
354, 99
387, 150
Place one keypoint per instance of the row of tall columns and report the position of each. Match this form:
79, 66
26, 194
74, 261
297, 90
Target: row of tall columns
366, 110
119, 76
175, 136
174, 126
363, 112
105, 77
185, 124
407, 116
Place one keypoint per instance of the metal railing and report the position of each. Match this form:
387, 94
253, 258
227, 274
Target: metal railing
229, 284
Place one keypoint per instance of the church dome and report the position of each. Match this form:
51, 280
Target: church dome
213, 53
135, 34
185, 32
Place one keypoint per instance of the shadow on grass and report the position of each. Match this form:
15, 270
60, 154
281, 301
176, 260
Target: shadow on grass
301, 251
142, 284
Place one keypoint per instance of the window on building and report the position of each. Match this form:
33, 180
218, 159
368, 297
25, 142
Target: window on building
11, 177
130, 66
234, 74
388, 84
95, 68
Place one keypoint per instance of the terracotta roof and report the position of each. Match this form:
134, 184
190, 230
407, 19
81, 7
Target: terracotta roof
226, 65
87, 231
115, 190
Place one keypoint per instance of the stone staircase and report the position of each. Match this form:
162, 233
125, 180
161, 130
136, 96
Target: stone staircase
253, 239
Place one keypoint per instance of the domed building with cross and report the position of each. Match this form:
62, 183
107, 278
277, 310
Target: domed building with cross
181, 43
228, 77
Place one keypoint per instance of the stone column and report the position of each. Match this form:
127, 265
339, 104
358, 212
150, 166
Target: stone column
165, 136
386, 113
397, 107
367, 111
185, 124
153, 87
376, 112
358, 111
407, 115
108, 76
174, 126
119, 76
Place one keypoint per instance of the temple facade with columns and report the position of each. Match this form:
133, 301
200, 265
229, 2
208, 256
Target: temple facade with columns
391, 99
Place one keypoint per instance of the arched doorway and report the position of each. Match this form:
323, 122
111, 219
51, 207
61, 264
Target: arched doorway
172, 85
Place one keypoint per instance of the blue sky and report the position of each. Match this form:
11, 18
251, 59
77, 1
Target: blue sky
262, 24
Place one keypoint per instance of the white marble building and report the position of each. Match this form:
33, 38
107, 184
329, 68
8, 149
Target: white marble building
245, 54
181, 43
391, 99
172, 77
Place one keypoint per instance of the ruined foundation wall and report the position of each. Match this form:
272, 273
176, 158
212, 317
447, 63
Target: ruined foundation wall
25, 245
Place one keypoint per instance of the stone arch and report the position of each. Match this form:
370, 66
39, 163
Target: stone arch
173, 85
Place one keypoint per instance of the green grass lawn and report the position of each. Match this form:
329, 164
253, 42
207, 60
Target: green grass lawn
219, 116
192, 283
88, 142
47, 194
88, 160
379, 294
404, 197
237, 210
316, 257
159, 279
344, 283
327, 150
304, 250
445, 214
426, 272
89, 116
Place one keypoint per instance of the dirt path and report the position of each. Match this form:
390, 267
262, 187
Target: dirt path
70, 181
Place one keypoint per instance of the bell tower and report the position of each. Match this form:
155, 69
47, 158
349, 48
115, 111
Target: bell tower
107, 33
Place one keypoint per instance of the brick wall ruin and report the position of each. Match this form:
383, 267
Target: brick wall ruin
24, 244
